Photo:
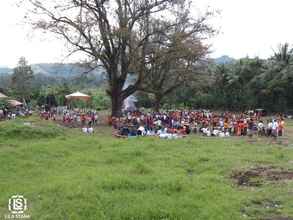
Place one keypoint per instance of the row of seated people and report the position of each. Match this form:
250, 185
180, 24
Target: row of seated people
206, 123
161, 131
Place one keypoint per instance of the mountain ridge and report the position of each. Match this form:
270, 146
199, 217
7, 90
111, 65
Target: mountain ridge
225, 59
69, 70
58, 70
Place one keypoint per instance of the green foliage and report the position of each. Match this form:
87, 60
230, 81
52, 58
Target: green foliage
53, 95
3, 103
21, 80
243, 84
100, 100
144, 100
56, 94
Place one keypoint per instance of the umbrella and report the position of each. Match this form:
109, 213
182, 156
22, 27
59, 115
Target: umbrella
14, 103
2, 96
78, 96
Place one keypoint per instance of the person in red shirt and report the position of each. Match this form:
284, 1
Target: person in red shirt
239, 128
82, 118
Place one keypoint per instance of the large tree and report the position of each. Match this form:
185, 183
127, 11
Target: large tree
175, 57
113, 33
21, 80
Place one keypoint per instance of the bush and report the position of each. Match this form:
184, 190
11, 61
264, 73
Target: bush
3, 103
100, 100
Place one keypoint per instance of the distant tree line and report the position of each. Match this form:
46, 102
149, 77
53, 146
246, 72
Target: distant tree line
243, 84
23, 84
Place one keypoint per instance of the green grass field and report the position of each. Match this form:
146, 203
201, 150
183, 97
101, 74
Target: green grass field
66, 175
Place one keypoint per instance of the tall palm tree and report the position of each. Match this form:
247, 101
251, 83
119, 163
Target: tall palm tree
283, 54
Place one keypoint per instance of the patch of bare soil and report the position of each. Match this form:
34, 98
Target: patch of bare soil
257, 176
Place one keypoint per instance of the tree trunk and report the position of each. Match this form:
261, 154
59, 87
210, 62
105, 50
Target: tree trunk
158, 100
117, 104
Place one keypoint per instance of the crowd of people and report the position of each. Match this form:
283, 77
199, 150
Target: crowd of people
174, 124
71, 116
13, 113
177, 124
84, 119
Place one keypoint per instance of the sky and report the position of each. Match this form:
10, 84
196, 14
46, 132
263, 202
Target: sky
246, 28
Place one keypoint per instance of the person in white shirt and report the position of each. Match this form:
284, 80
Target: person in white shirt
275, 128
269, 128
162, 133
216, 132
141, 130
260, 128
90, 130
221, 122
84, 130
96, 117
158, 122
206, 131
150, 133
221, 134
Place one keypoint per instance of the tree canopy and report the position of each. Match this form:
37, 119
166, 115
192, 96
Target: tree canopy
21, 80
117, 34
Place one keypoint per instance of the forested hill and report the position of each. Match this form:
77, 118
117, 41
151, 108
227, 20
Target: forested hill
224, 60
75, 74
58, 73
58, 70
70, 70
5, 70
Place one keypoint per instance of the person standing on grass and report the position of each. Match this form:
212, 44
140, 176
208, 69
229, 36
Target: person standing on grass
250, 128
92, 119
275, 129
1, 113
260, 128
239, 128
245, 126
226, 125
269, 128
83, 119
281, 126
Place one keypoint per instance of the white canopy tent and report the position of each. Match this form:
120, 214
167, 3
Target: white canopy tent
2, 96
78, 96
14, 103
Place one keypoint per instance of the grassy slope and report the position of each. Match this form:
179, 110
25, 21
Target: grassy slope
78, 177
